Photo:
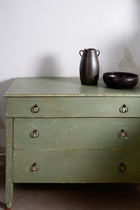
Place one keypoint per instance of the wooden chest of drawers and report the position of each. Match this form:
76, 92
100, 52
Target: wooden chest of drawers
59, 131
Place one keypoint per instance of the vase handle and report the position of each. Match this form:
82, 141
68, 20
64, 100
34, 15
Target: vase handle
81, 52
98, 52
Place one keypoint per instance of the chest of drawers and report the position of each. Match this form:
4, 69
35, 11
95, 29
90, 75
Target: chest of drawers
58, 131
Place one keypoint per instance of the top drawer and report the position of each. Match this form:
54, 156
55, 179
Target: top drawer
73, 107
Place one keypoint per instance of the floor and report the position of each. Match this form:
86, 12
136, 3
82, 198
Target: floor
73, 197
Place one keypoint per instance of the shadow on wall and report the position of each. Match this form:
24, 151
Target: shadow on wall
124, 56
47, 67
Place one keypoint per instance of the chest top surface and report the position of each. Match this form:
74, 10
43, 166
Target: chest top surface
60, 86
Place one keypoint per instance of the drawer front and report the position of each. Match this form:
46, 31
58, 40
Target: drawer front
77, 133
76, 166
73, 107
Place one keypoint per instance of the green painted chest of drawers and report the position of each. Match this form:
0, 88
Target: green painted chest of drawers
59, 131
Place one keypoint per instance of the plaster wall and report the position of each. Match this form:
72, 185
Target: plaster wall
43, 38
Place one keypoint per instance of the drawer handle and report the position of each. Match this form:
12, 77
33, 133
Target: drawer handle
123, 109
34, 167
34, 133
122, 167
122, 134
35, 109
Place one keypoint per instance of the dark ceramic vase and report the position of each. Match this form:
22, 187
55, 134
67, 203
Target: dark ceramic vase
89, 66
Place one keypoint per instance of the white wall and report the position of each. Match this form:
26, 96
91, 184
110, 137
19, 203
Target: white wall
43, 37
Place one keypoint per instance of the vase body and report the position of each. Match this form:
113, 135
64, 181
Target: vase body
89, 66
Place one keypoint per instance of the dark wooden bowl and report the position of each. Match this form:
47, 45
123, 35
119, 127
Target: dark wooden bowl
120, 79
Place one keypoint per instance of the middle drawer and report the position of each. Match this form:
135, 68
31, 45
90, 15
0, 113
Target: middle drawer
77, 133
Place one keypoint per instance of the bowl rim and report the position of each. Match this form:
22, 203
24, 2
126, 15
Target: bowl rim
119, 74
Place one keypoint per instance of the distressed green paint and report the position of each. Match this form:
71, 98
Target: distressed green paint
77, 133
9, 161
60, 86
73, 107
76, 166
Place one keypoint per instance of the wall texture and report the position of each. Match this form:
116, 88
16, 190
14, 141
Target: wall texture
43, 37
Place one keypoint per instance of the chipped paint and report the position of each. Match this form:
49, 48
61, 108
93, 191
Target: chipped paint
119, 123
73, 128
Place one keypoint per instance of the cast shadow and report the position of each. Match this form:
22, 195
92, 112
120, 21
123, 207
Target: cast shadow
48, 66
2, 191
2, 205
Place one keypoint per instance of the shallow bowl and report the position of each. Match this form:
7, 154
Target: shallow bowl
120, 79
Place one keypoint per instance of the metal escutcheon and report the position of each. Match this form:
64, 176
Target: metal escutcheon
34, 167
122, 167
35, 109
34, 133
123, 109
122, 134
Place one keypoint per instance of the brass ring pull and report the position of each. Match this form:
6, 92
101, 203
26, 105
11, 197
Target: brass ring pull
123, 109
122, 134
34, 133
122, 167
35, 109
34, 167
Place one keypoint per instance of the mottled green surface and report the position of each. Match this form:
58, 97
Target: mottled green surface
65, 87
9, 161
77, 133
76, 166
73, 107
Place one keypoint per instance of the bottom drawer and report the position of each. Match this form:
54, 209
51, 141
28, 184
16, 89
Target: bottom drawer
76, 166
